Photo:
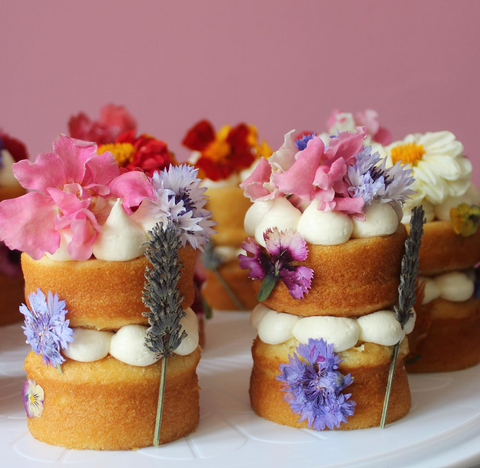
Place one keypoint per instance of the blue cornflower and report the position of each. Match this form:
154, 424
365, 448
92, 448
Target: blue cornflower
46, 329
313, 386
371, 180
301, 143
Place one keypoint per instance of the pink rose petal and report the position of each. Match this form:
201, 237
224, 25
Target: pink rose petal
47, 171
80, 247
133, 187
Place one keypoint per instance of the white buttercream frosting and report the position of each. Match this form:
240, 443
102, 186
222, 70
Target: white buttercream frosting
62, 255
7, 179
342, 332
380, 220
88, 345
128, 346
282, 215
120, 238
255, 214
455, 286
324, 228
431, 291
275, 328
227, 253
189, 324
232, 181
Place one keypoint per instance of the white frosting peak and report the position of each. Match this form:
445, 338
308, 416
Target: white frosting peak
62, 255
255, 214
189, 324
282, 215
324, 228
120, 238
7, 179
380, 220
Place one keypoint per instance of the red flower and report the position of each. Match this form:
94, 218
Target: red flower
113, 121
15, 147
149, 154
199, 136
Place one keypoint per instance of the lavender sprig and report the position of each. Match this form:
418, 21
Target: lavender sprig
162, 297
406, 291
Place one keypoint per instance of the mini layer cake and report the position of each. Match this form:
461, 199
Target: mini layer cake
225, 159
326, 263
11, 281
450, 249
85, 268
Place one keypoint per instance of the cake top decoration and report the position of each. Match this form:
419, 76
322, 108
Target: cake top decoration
46, 328
113, 121
282, 249
225, 153
343, 176
33, 397
313, 386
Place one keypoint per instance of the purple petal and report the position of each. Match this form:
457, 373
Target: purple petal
298, 281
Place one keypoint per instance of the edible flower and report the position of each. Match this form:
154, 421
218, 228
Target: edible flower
71, 187
33, 397
465, 219
113, 121
313, 386
15, 147
143, 152
46, 329
283, 248
226, 152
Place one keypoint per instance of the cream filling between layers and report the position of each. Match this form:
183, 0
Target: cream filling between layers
128, 343
456, 286
344, 333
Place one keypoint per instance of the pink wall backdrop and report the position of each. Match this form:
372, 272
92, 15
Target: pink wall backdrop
278, 64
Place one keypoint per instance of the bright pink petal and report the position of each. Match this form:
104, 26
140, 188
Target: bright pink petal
368, 119
117, 117
260, 174
47, 171
84, 235
326, 176
68, 203
27, 223
101, 170
349, 205
133, 187
346, 145
74, 154
299, 178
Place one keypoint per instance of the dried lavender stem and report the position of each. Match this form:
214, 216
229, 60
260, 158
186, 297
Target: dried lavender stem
227, 288
161, 399
391, 373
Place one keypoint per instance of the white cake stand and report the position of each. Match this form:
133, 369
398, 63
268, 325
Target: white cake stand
441, 430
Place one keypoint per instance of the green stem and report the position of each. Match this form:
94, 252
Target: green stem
161, 398
267, 286
59, 367
389, 385
227, 288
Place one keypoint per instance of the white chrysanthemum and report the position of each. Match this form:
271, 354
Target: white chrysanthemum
438, 165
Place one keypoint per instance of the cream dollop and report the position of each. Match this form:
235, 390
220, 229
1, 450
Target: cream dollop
257, 313
470, 197
455, 286
380, 220
62, 255
232, 181
410, 325
339, 331
282, 215
120, 238
381, 328
431, 291
324, 228
189, 324
7, 179
255, 214
275, 328
88, 345
128, 346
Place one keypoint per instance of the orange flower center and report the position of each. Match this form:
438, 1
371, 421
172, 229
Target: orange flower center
217, 150
122, 152
408, 153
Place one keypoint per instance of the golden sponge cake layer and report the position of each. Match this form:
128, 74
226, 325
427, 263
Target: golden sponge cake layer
368, 364
102, 295
442, 250
448, 338
350, 280
228, 206
109, 405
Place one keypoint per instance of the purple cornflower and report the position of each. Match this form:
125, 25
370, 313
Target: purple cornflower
283, 247
46, 329
313, 386
373, 181
301, 143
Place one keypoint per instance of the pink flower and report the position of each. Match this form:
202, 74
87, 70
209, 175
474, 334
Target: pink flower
70, 189
113, 121
284, 248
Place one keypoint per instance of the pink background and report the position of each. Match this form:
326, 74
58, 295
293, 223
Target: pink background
277, 64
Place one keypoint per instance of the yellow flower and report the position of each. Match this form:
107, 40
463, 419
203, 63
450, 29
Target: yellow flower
264, 150
122, 152
465, 219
